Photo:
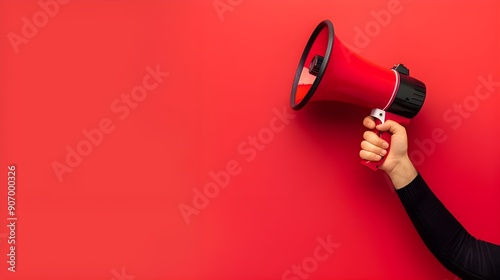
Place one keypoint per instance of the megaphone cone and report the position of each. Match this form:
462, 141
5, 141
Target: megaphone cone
329, 71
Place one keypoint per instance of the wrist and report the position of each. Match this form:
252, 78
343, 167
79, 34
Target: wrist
403, 174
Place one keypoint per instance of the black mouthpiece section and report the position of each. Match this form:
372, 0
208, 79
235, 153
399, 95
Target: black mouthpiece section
410, 96
315, 65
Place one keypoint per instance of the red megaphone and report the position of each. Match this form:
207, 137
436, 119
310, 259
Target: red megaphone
329, 71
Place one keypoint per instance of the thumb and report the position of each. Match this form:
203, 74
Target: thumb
391, 126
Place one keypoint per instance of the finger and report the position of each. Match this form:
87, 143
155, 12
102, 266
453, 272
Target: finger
374, 139
369, 147
369, 122
369, 156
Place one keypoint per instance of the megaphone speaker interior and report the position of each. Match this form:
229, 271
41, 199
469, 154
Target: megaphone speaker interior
329, 71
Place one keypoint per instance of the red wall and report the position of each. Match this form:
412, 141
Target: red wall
118, 114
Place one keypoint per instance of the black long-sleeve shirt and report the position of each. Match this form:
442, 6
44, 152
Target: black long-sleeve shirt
460, 252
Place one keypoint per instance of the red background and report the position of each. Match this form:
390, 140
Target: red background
116, 215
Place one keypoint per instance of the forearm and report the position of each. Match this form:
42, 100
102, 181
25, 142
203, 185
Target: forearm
445, 237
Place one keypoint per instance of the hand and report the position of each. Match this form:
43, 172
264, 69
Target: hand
373, 148
397, 163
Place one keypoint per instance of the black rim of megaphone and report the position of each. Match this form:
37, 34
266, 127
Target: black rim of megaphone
310, 93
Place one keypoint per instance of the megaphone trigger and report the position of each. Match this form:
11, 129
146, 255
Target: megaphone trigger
378, 115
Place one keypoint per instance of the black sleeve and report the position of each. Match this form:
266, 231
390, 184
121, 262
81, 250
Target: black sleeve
460, 252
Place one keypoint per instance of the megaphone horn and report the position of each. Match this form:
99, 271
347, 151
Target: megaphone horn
329, 71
